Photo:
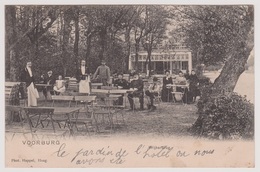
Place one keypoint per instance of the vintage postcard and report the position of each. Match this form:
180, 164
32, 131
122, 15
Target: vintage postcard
129, 85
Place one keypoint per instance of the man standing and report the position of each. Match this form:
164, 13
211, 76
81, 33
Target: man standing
82, 77
27, 77
136, 85
103, 73
50, 80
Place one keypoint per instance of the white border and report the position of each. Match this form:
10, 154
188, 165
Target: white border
74, 2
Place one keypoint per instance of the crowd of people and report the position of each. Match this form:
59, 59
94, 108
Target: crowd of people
56, 86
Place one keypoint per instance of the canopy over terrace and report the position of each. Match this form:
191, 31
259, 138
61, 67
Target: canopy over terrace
161, 60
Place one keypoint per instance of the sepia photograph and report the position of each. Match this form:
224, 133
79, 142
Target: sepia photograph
129, 85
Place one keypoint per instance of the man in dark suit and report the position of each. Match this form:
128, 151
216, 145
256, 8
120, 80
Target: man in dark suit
51, 81
83, 78
137, 86
121, 83
28, 78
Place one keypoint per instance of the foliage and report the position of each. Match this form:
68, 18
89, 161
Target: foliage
214, 67
212, 32
224, 117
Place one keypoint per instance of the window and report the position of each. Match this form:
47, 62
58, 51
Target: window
184, 65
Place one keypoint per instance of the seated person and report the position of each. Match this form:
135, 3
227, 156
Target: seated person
43, 89
50, 80
180, 80
153, 91
166, 88
59, 86
136, 85
121, 84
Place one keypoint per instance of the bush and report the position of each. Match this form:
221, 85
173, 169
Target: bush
224, 117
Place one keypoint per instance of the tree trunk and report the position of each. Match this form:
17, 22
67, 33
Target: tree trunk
11, 36
65, 42
128, 47
88, 48
102, 34
76, 43
149, 53
137, 46
233, 68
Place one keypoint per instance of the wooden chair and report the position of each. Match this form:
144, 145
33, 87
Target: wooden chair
68, 99
64, 99
38, 115
85, 115
19, 127
14, 110
126, 77
102, 108
12, 93
117, 111
73, 85
177, 94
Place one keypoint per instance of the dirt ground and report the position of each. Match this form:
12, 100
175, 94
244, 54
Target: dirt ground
168, 120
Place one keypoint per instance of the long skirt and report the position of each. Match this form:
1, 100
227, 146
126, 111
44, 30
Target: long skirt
166, 94
84, 86
32, 95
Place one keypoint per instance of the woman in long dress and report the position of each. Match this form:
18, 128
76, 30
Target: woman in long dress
83, 78
166, 89
194, 85
28, 78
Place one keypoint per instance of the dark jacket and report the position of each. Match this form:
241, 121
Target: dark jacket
122, 83
137, 84
50, 80
165, 81
80, 76
194, 80
25, 77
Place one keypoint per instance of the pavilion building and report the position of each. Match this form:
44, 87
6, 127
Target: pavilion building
174, 59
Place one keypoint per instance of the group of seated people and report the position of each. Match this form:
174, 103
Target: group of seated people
187, 84
57, 86
137, 86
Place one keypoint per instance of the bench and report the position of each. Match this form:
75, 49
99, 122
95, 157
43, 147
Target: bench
68, 99
73, 84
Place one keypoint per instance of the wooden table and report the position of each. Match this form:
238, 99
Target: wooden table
182, 86
85, 99
114, 93
45, 86
52, 114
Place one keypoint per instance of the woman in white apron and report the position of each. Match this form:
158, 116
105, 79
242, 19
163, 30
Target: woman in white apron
27, 77
83, 78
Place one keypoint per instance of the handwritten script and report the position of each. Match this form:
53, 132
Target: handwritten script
88, 156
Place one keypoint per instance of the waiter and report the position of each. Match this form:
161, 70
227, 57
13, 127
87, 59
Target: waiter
83, 78
27, 77
103, 73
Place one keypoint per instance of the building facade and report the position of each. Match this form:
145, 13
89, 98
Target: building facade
174, 60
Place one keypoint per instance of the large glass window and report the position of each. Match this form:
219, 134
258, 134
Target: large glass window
184, 65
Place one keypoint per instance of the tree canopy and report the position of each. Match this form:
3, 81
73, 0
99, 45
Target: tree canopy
57, 37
